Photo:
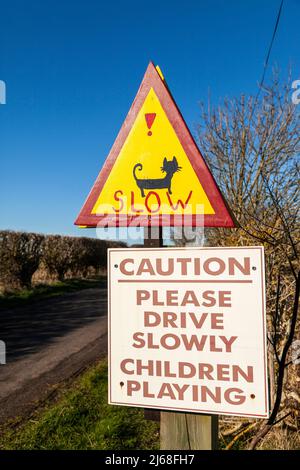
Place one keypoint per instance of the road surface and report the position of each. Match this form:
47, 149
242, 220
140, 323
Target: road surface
49, 342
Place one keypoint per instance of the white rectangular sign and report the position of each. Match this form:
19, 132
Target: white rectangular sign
187, 330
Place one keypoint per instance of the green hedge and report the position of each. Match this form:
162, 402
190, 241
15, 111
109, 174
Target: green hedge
22, 253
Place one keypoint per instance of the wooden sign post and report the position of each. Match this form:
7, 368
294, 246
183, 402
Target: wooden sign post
189, 431
153, 238
185, 431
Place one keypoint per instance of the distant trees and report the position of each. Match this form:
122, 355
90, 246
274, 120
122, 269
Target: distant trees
252, 146
60, 254
21, 254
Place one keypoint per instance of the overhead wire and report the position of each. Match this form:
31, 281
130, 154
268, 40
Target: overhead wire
269, 50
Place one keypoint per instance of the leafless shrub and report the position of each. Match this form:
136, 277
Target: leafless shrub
20, 255
252, 146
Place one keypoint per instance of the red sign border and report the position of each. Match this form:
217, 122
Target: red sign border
223, 216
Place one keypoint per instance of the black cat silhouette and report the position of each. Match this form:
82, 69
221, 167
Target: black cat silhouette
169, 167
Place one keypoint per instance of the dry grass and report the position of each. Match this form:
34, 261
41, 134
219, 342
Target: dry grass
281, 438
236, 434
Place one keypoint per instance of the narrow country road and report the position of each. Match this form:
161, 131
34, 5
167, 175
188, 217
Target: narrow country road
48, 342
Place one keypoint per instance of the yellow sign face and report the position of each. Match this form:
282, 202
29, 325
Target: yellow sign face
152, 174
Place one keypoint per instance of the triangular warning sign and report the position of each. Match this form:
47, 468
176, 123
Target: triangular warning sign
154, 173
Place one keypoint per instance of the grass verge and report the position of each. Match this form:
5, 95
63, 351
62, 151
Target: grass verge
42, 291
81, 419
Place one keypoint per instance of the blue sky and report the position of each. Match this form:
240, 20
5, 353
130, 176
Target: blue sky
72, 69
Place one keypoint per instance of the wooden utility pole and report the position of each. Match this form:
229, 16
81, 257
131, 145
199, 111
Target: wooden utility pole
181, 431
